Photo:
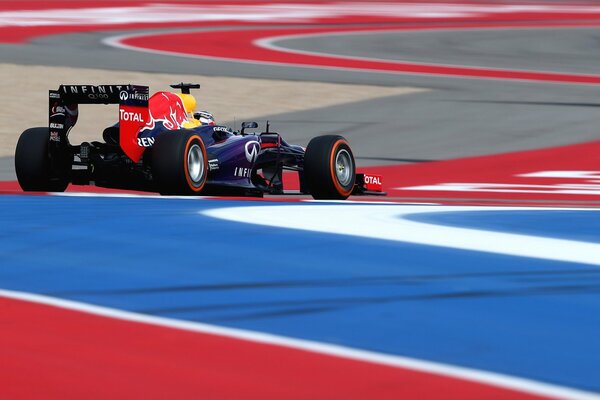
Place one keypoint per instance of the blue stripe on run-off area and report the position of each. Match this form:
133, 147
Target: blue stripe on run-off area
365, 276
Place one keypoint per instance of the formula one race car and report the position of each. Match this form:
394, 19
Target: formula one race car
160, 144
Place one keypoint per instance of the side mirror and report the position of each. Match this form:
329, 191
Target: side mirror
248, 125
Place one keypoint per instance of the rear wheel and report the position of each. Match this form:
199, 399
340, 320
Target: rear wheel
179, 163
329, 167
32, 163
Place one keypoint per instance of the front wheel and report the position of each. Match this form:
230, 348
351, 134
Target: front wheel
32, 163
329, 168
179, 163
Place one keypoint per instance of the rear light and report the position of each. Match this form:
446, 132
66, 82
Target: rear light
84, 151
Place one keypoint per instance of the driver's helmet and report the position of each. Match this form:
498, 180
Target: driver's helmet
205, 117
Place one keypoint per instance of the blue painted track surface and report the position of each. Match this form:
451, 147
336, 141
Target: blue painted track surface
520, 316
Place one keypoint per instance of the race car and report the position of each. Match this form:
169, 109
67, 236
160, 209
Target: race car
161, 144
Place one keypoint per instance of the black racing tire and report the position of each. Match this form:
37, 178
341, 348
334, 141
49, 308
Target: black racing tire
179, 163
329, 168
32, 163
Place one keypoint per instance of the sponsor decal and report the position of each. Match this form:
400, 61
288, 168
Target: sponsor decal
125, 95
131, 116
56, 109
166, 110
92, 90
94, 96
220, 129
54, 137
241, 172
213, 165
104, 93
252, 149
146, 141
54, 125
373, 182
131, 119
140, 96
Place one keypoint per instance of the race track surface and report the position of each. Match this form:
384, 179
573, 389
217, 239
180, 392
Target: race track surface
476, 277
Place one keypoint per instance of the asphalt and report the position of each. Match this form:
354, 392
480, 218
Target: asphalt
457, 117
572, 50
7, 169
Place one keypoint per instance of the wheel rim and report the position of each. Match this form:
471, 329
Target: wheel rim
195, 164
343, 167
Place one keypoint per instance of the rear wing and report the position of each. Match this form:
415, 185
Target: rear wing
133, 111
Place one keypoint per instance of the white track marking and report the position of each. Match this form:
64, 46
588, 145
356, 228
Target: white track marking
271, 12
572, 182
387, 222
484, 377
589, 176
380, 202
127, 196
560, 188
118, 42
270, 43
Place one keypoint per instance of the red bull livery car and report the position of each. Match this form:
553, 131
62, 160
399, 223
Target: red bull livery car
160, 144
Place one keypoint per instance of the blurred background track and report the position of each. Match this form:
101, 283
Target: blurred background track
450, 118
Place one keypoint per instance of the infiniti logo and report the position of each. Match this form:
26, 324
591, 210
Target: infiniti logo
123, 95
252, 149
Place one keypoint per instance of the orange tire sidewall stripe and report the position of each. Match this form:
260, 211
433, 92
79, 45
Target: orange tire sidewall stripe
185, 162
332, 167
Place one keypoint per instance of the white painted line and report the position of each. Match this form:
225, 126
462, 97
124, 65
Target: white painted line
388, 222
127, 196
488, 378
271, 12
559, 188
590, 176
382, 201
118, 42
269, 43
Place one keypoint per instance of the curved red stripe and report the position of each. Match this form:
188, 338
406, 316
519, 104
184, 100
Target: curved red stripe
54, 353
240, 45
